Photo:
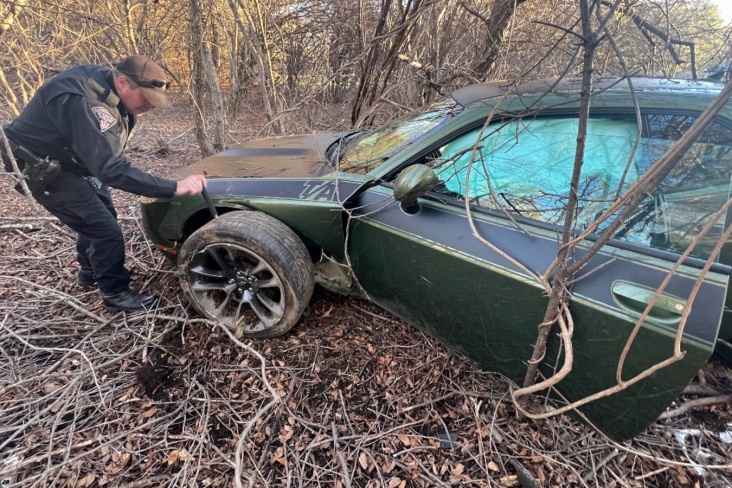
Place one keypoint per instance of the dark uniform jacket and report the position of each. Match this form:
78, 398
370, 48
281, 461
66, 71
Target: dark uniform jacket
77, 118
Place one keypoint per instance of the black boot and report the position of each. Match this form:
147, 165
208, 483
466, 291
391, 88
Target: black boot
129, 301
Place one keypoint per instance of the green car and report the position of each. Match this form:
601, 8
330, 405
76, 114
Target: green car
446, 216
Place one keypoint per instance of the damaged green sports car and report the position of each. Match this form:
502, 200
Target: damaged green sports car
446, 216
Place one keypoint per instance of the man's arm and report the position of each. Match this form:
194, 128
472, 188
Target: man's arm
96, 136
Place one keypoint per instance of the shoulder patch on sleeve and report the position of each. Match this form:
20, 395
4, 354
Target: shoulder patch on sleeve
105, 118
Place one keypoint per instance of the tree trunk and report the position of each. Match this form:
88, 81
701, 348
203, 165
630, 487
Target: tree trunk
129, 29
380, 63
234, 78
261, 51
205, 84
560, 283
498, 28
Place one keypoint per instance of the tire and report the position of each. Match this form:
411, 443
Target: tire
248, 271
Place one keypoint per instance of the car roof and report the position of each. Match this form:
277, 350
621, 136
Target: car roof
483, 91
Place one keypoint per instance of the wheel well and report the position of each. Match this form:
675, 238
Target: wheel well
196, 221
203, 217
313, 248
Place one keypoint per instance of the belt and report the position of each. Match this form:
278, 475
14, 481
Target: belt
23, 155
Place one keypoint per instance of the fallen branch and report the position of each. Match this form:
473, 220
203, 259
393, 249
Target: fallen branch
699, 402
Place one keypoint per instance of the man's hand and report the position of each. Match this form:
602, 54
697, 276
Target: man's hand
191, 185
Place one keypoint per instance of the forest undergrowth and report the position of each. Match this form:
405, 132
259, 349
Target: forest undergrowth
352, 397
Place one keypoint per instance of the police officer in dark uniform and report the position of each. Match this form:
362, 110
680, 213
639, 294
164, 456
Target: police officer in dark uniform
72, 135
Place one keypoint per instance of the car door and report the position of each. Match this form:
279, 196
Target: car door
470, 278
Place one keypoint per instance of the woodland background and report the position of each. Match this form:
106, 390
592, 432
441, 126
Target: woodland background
374, 58
353, 397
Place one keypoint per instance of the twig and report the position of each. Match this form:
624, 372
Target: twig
699, 402
341, 457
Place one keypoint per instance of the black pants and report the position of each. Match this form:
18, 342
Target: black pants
90, 212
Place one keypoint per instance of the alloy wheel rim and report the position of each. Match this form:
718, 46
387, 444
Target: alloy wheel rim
237, 287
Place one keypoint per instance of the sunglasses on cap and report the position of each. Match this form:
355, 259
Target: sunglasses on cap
145, 83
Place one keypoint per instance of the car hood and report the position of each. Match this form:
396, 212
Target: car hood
288, 157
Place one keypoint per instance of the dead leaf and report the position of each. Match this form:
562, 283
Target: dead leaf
510, 480
31, 439
150, 412
124, 459
279, 457
493, 466
283, 438
86, 480
541, 476
458, 470
172, 458
363, 460
327, 312
396, 482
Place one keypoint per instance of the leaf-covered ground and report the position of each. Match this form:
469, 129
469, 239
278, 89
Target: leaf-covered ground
351, 397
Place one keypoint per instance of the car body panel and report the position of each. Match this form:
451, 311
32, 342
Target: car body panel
425, 265
654, 93
308, 206
283, 157
483, 305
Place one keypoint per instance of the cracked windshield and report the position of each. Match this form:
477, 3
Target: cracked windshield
373, 148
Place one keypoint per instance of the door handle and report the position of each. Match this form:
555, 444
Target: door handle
634, 298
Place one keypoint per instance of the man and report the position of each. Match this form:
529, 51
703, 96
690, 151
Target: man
70, 141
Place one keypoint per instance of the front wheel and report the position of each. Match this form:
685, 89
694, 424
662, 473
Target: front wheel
248, 271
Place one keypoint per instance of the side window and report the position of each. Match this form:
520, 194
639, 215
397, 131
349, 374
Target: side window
525, 167
697, 187
671, 127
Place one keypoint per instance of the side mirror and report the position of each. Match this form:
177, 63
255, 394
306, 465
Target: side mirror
413, 182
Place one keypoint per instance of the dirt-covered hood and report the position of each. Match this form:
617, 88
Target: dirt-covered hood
287, 157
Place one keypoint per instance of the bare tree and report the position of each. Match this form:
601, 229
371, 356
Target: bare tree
381, 61
498, 26
256, 34
205, 85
